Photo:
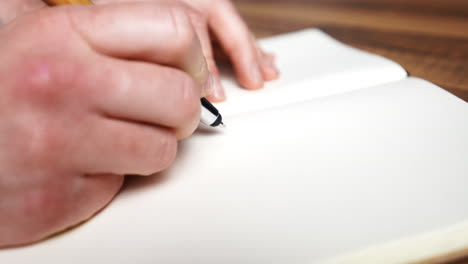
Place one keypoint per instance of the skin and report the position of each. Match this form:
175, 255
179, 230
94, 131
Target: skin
10, 9
68, 138
252, 65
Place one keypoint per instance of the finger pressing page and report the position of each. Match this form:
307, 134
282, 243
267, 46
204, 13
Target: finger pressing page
143, 31
267, 66
147, 93
234, 37
119, 147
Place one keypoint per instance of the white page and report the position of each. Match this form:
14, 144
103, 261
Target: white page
298, 185
312, 65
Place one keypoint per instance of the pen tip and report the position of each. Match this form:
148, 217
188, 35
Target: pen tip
222, 125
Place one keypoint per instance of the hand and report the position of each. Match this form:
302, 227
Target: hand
10, 9
252, 65
83, 102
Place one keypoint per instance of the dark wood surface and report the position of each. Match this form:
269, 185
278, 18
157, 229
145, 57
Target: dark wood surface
429, 38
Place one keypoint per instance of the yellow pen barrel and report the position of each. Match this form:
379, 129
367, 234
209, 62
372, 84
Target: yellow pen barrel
69, 2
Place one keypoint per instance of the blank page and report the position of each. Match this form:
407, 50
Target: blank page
300, 184
312, 65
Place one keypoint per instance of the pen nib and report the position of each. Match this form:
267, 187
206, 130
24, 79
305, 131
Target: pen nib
222, 125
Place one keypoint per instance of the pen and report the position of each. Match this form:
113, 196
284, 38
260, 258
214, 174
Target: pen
209, 114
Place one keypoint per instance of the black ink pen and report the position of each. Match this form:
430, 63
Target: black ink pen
210, 116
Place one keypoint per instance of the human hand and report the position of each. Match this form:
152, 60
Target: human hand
252, 65
10, 9
83, 102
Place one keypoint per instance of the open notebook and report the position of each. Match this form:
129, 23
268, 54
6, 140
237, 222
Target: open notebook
343, 160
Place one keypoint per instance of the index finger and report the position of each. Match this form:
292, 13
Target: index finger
158, 34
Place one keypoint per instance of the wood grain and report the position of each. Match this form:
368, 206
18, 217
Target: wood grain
429, 38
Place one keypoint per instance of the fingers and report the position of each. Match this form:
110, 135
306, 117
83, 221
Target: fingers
159, 34
13, 9
269, 70
201, 27
84, 197
119, 147
146, 93
96, 191
250, 66
267, 67
50, 205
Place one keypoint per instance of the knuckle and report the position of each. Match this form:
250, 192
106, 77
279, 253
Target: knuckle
44, 81
39, 80
40, 95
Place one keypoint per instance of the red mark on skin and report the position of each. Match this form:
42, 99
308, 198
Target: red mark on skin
35, 79
39, 82
40, 75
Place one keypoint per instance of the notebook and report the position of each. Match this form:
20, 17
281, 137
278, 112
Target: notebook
344, 159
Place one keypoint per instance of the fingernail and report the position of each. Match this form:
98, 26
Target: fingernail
270, 67
269, 64
273, 68
209, 86
218, 92
265, 59
256, 75
269, 61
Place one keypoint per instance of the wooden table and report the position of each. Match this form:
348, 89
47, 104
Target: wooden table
429, 38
